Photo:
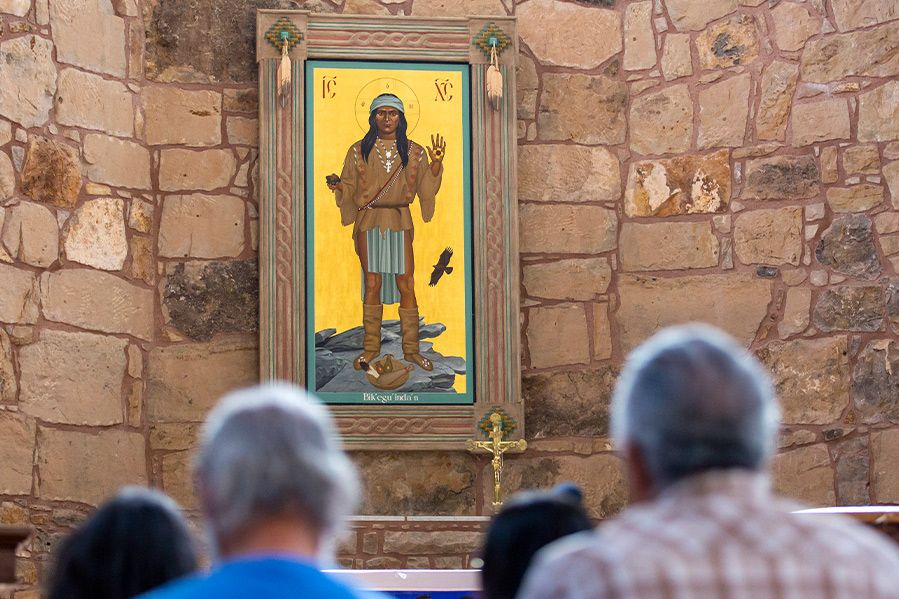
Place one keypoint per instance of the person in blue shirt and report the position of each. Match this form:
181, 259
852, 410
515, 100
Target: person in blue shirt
275, 489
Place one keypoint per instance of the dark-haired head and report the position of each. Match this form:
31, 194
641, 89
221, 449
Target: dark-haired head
527, 522
133, 543
402, 141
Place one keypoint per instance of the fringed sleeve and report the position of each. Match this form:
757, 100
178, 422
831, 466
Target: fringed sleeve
346, 194
427, 185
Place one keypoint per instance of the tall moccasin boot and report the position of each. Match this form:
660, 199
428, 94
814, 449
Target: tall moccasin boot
409, 329
371, 341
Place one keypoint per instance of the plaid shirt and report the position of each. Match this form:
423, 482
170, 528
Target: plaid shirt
719, 534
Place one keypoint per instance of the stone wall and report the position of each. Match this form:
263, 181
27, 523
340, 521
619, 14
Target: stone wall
734, 161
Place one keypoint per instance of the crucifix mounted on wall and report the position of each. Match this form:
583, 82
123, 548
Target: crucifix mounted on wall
388, 222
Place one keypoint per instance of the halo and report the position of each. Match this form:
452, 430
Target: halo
387, 85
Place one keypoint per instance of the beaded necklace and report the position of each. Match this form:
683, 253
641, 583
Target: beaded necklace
386, 155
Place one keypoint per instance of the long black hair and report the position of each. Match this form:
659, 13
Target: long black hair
402, 142
527, 523
135, 542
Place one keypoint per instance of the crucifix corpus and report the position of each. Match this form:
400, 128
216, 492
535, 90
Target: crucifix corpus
497, 447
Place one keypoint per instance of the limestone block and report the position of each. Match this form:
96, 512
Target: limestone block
847, 308
170, 436
140, 215
364, 7
793, 25
781, 178
19, 296
52, 173
557, 336
847, 246
5, 132
73, 378
694, 15
30, 234
9, 387
886, 223
829, 171
177, 478
778, 84
736, 303
874, 381
95, 234
179, 116
88, 467
16, 453
7, 177
891, 175
443, 8
885, 453
723, 109
143, 266
676, 60
865, 53
814, 122
185, 381
878, 113
861, 160
97, 301
856, 198
852, 14
852, 460
587, 109
18, 8
805, 474
117, 162
667, 246
244, 99
729, 43
769, 236
27, 60
548, 26
411, 542
662, 122
202, 299
565, 229
571, 279
527, 83
602, 332
601, 478
189, 169
242, 131
202, 226
572, 403
567, 173
417, 482
796, 312
74, 21
682, 185
90, 101
639, 42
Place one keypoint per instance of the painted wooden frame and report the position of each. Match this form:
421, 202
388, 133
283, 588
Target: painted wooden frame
282, 278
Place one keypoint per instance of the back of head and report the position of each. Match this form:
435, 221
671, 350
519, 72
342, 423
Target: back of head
691, 400
135, 542
270, 451
527, 522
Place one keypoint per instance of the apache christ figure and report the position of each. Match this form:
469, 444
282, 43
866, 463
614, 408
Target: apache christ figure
382, 174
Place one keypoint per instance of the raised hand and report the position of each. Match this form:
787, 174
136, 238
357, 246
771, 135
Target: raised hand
436, 151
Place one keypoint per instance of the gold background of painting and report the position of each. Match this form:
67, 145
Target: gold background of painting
337, 293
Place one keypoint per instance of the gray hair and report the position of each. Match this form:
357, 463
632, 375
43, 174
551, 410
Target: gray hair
271, 450
691, 399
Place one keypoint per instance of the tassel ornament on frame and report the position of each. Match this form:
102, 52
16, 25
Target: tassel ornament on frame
284, 70
494, 79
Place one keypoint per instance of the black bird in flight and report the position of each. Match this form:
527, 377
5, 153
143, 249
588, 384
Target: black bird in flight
442, 266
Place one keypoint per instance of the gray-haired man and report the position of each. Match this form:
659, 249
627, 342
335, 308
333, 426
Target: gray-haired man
275, 488
696, 418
